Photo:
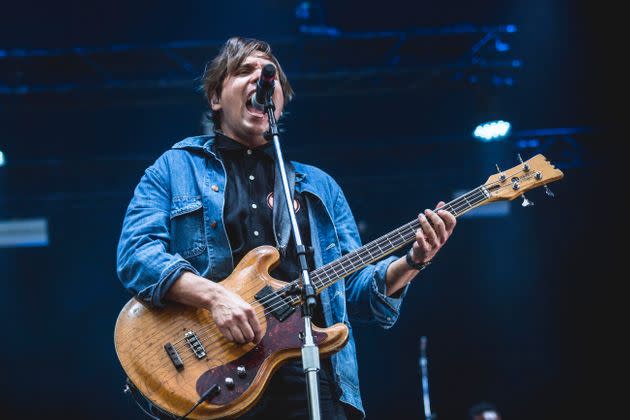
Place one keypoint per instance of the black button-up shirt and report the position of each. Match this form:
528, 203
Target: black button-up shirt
248, 211
249, 201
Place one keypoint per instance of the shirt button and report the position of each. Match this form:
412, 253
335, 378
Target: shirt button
256, 233
249, 152
215, 188
251, 177
254, 206
213, 224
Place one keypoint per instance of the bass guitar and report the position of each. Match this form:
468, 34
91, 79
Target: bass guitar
177, 359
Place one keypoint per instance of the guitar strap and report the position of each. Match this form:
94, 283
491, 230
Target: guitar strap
281, 219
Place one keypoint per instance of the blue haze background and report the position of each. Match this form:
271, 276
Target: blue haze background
512, 307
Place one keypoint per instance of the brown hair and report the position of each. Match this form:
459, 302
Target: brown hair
230, 57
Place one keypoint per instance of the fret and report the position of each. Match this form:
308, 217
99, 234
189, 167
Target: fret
328, 277
332, 267
367, 249
358, 255
390, 242
344, 260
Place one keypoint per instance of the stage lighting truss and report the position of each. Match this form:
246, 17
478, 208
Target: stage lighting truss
320, 61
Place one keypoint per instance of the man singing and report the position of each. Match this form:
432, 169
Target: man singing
209, 200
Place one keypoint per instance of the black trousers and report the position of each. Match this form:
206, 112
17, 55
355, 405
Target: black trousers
286, 396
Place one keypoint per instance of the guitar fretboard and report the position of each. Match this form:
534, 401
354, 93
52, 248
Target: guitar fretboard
326, 275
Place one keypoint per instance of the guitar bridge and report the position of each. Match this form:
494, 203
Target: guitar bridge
195, 344
274, 303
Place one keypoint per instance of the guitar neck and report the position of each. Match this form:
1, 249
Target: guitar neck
353, 261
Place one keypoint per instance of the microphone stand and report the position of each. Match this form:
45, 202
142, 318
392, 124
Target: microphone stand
428, 415
310, 351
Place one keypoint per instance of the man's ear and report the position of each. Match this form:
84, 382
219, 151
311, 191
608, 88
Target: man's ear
215, 104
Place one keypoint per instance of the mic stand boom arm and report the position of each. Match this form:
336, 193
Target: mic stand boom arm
310, 351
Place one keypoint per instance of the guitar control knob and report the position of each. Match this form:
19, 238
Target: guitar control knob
229, 382
538, 175
241, 372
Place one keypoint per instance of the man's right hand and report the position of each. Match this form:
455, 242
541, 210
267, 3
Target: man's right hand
235, 318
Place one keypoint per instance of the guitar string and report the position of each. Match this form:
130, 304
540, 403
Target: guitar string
317, 282
455, 207
226, 344
325, 270
321, 282
372, 246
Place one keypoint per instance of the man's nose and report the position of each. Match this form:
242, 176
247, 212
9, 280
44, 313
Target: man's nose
255, 76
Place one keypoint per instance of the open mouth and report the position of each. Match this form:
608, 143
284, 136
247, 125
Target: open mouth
251, 109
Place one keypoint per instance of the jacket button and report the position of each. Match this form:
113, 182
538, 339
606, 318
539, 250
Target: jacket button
213, 224
215, 188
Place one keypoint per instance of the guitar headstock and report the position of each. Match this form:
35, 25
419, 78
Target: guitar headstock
514, 182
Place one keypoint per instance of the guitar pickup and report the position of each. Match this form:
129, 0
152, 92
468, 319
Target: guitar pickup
274, 303
174, 356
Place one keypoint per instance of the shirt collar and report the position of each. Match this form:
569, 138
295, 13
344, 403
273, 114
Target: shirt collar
224, 143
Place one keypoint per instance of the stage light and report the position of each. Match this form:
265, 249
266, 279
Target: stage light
501, 46
2, 160
23, 233
492, 130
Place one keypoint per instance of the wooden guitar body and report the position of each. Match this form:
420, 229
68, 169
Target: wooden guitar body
207, 358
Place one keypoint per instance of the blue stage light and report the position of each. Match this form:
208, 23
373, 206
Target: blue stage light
2, 160
492, 130
501, 46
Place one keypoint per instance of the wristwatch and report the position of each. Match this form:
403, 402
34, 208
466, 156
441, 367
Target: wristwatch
416, 266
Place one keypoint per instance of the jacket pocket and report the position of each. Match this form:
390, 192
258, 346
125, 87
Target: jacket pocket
187, 226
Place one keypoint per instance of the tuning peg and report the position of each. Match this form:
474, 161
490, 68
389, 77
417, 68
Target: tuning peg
549, 192
502, 176
526, 202
525, 165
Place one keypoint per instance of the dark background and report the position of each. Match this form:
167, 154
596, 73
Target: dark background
515, 308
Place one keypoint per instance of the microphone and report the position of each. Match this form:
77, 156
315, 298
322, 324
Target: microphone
264, 87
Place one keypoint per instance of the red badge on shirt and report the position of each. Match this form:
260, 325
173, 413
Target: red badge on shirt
296, 204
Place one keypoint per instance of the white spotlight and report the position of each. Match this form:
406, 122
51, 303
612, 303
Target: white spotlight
492, 130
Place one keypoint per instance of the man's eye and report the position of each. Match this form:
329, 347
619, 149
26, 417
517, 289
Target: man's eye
244, 70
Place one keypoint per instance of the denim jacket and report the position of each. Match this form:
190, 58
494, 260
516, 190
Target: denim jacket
174, 223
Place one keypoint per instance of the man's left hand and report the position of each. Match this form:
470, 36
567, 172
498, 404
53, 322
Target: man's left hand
435, 229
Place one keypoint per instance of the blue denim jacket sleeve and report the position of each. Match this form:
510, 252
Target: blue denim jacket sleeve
366, 289
144, 265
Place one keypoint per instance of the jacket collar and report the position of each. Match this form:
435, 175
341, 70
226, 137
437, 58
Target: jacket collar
205, 142
199, 143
